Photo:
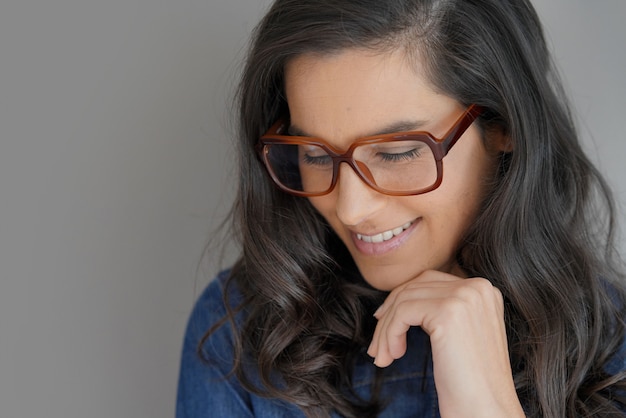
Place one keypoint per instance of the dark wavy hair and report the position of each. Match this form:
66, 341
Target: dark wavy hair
544, 236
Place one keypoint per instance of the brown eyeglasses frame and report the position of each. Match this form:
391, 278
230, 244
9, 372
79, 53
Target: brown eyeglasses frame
439, 146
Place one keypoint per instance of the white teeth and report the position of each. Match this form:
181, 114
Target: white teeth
378, 238
384, 236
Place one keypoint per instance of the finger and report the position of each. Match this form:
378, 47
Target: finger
378, 348
372, 350
432, 278
392, 347
390, 339
393, 333
429, 313
410, 295
382, 357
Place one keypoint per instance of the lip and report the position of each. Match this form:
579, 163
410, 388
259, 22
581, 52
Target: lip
381, 248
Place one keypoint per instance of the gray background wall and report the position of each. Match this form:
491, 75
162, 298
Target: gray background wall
113, 145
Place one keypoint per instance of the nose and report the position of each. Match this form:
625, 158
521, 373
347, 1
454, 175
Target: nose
356, 201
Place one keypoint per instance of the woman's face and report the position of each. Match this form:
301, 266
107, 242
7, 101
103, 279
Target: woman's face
355, 93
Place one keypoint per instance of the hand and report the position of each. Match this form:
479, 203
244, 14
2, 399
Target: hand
465, 321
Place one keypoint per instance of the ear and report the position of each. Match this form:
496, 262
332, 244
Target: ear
499, 140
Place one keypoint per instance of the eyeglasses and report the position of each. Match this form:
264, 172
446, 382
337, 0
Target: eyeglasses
396, 164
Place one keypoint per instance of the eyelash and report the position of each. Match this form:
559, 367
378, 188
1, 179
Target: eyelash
401, 156
322, 160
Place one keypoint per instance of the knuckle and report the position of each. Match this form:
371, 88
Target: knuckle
479, 290
498, 294
484, 286
486, 294
468, 293
404, 308
456, 308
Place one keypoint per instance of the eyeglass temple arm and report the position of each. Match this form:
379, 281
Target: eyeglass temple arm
470, 115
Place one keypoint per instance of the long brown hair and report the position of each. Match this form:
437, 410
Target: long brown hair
544, 235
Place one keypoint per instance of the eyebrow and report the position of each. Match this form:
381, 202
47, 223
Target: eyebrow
400, 126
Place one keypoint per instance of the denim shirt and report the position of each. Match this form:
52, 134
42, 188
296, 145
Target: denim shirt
207, 389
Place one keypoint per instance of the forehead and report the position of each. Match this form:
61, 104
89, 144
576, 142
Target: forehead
356, 93
351, 74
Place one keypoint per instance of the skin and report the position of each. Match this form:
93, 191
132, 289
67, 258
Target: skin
464, 317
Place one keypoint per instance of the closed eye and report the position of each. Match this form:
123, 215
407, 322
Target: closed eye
399, 156
320, 160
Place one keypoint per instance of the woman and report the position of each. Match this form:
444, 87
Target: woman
412, 194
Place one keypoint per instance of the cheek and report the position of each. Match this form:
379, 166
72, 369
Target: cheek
466, 182
325, 206
470, 168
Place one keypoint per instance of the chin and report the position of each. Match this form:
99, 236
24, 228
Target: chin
387, 278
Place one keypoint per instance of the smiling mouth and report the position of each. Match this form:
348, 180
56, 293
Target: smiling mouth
384, 236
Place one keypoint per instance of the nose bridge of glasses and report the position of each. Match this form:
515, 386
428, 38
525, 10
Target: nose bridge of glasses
359, 168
